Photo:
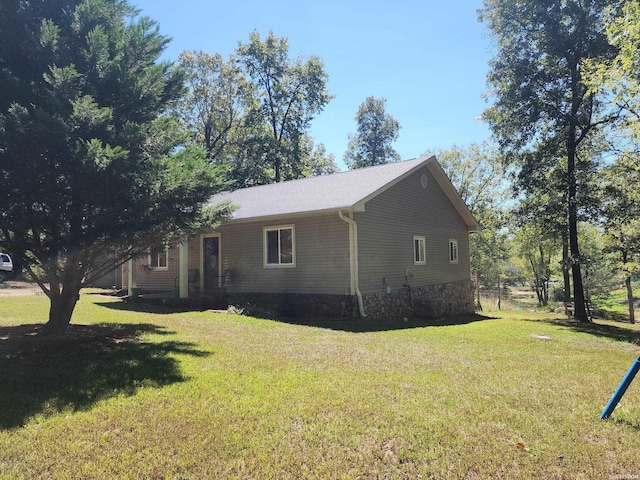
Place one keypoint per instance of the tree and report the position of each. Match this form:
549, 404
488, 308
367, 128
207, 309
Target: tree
619, 75
215, 103
289, 95
544, 109
536, 247
377, 130
479, 178
620, 216
92, 169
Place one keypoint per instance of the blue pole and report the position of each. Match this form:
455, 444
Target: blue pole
622, 388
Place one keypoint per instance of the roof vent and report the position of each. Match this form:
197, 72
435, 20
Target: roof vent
423, 181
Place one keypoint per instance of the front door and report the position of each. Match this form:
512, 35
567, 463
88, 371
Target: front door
211, 260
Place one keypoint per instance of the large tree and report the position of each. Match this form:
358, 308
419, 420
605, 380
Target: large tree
214, 106
477, 174
288, 95
376, 131
90, 166
621, 219
543, 108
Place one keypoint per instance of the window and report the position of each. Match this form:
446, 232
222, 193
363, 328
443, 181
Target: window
159, 258
279, 246
453, 251
419, 257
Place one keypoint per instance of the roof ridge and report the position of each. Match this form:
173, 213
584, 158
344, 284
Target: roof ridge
316, 177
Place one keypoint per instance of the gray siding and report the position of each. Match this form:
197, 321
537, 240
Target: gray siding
322, 257
163, 280
386, 230
156, 279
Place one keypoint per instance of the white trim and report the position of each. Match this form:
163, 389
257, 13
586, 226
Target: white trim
131, 279
159, 268
353, 260
453, 252
423, 240
265, 253
184, 269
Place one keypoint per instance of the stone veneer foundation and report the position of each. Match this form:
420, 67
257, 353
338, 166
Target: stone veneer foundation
429, 301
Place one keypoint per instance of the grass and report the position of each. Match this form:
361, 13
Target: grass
156, 394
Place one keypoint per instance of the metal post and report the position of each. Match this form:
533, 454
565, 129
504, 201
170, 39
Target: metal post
622, 388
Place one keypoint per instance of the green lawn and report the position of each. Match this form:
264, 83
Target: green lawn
155, 394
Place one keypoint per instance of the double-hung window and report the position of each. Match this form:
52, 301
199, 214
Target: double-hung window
279, 246
453, 251
159, 258
419, 250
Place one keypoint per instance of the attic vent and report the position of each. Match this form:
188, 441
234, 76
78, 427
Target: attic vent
423, 181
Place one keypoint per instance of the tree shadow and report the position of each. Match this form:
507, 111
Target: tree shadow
364, 325
45, 375
612, 332
164, 306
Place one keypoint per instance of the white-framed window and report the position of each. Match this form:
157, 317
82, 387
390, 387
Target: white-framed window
159, 258
419, 250
453, 251
280, 246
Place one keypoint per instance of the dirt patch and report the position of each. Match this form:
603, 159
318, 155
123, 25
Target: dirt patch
11, 287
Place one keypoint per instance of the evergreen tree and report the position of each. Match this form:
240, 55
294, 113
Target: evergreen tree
91, 172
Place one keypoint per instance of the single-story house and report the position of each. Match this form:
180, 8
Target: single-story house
369, 242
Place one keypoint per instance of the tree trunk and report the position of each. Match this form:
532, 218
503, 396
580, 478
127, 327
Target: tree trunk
580, 310
63, 297
632, 315
565, 267
627, 283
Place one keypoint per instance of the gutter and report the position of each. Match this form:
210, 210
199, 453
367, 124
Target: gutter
353, 252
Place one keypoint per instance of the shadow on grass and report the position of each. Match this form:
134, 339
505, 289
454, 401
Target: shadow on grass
163, 306
143, 307
627, 423
42, 375
612, 332
364, 325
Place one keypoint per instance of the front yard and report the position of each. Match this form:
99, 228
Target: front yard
160, 394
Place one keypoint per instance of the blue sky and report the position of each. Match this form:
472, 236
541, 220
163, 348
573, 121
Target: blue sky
427, 58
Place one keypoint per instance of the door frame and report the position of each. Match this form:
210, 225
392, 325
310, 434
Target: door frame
202, 238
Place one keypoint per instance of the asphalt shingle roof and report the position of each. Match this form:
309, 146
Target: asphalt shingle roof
339, 191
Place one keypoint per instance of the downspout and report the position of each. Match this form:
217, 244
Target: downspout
353, 252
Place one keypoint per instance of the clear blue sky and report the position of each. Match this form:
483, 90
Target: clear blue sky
428, 58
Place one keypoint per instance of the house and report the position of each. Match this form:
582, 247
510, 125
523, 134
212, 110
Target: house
369, 242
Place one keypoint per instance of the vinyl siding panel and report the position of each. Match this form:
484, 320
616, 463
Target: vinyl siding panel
156, 279
322, 257
163, 280
386, 230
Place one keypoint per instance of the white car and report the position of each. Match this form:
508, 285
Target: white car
6, 266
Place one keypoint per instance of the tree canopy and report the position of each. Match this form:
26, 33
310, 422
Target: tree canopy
372, 143
252, 111
544, 109
93, 168
479, 178
288, 95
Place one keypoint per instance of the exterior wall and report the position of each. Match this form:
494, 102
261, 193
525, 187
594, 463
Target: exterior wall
296, 305
451, 299
159, 279
385, 237
111, 279
322, 257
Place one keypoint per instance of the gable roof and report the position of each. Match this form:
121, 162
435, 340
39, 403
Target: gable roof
347, 191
